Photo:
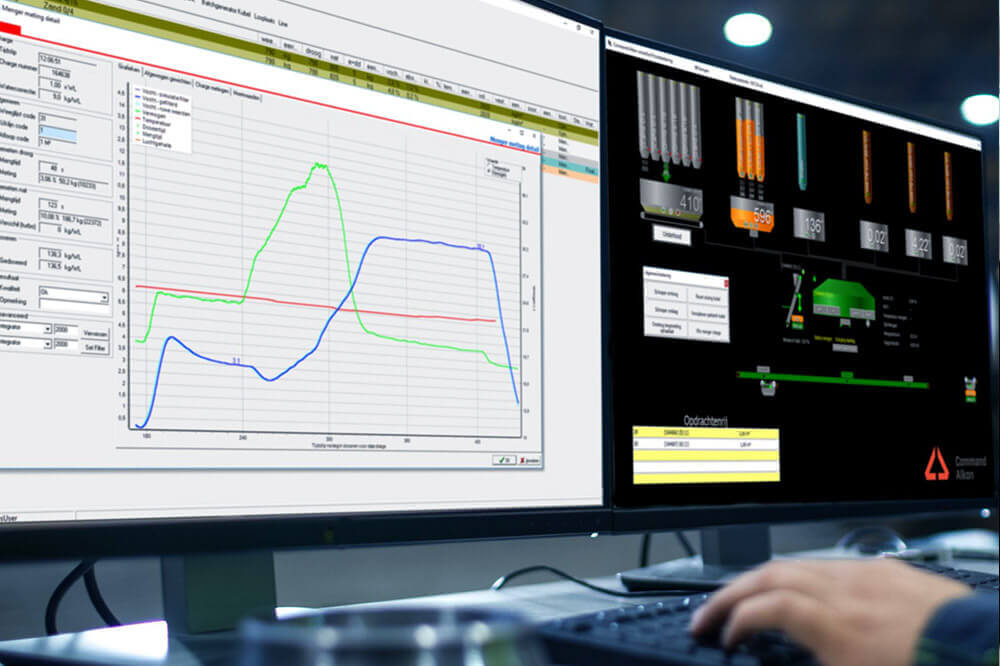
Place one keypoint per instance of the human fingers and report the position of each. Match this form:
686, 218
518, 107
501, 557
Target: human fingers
787, 575
803, 618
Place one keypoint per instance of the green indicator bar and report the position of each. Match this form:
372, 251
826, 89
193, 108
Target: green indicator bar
819, 379
304, 64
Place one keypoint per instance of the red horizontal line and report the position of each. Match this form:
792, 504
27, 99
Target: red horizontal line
10, 28
313, 305
276, 94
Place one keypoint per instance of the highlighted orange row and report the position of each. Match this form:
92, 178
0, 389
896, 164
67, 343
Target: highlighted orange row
556, 171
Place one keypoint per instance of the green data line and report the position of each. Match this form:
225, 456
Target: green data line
350, 277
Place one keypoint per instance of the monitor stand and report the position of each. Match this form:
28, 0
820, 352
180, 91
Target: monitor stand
213, 592
725, 553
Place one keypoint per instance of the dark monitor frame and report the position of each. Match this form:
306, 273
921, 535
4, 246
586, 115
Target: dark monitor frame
137, 537
667, 517
168, 536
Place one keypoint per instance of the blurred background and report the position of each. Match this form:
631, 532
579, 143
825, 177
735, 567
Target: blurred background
920, 57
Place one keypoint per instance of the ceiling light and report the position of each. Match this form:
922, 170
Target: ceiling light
981, 109
747, 29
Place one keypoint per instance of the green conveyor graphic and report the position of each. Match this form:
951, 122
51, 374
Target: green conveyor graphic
842, 298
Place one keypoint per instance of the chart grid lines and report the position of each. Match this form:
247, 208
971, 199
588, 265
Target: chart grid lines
208, 214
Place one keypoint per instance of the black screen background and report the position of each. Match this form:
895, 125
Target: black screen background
838, 443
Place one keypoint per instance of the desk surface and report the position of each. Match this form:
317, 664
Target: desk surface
149, 643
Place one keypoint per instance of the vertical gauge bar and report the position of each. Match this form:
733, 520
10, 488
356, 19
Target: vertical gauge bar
911, 175
758, 116
740, 157
661, 101
800, 135
682, 104
652, 112
640, 78
675, 140
866, 152
696, 126
748, 138
949, 202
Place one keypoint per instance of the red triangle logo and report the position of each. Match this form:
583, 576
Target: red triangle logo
929, 472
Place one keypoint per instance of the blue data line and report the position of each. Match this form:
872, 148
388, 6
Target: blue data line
357, 273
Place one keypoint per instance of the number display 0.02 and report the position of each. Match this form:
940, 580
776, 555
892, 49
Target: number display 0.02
874, 236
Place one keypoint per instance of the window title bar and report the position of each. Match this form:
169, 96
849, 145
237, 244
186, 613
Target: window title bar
539, 14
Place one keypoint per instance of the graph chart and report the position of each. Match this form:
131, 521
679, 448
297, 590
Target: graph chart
294, 270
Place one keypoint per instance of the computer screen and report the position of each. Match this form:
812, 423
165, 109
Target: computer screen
269, 257
800, 307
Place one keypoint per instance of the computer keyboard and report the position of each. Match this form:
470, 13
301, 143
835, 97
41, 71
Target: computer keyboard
977, 580
657, 633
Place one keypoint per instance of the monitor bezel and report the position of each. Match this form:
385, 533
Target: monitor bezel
628, 519
165, 536
138, 537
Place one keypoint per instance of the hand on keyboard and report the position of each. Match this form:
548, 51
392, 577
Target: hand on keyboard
845, 612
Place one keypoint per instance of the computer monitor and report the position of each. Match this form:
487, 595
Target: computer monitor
276, 274
803, 293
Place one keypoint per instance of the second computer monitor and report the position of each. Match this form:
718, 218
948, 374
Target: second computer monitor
800, 309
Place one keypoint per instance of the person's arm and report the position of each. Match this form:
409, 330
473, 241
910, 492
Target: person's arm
846, 612
962, 632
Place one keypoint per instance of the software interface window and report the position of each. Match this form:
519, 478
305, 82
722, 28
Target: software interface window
269, 236
799, 293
